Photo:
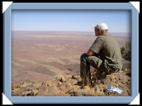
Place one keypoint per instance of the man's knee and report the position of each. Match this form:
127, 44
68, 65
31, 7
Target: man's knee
84, 57
95, 61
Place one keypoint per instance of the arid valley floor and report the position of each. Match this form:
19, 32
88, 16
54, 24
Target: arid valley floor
47, 63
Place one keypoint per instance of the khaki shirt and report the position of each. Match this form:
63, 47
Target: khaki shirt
108, 50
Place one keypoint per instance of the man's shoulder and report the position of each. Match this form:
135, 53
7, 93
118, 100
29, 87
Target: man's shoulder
103, 37
100, 39
107, 37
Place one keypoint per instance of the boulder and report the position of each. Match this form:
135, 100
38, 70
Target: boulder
60, 78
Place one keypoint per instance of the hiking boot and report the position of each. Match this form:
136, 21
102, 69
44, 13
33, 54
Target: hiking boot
86, 83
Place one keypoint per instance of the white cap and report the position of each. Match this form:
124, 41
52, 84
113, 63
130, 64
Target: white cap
102, 26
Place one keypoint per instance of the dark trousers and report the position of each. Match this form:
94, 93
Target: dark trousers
85, 63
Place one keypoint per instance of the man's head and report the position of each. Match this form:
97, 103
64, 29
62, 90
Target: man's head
101, 29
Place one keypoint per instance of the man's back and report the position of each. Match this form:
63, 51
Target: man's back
108, 49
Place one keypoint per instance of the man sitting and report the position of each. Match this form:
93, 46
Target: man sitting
104, 55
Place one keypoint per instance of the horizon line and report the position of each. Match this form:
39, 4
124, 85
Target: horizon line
61, 31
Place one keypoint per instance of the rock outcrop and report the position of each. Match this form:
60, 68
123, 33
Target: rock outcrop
70, 85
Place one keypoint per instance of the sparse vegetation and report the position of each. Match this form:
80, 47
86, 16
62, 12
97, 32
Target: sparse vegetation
126, 51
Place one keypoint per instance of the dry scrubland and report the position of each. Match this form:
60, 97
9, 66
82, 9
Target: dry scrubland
48, 64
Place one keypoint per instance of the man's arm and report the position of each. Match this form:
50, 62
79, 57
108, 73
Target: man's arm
90, 53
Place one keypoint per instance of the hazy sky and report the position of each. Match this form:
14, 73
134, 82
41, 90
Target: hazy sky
61, 20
